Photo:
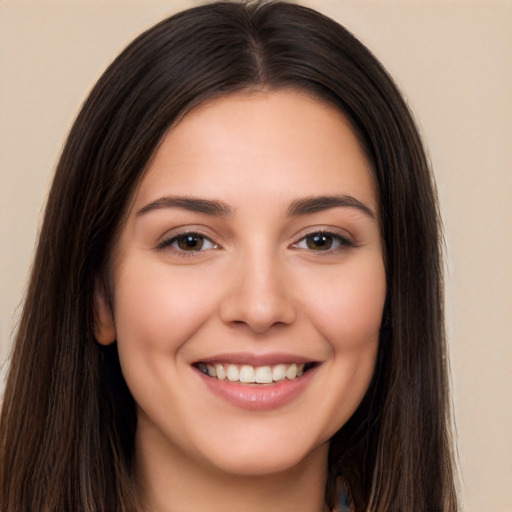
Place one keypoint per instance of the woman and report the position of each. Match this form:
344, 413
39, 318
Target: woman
183, 347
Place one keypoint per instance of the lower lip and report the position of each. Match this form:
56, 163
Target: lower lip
258, 397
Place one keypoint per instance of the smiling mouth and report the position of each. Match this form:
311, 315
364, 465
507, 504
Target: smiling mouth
247, 374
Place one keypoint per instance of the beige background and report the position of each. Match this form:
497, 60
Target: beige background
453, 60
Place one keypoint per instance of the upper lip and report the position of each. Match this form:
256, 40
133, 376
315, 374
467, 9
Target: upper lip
254, 359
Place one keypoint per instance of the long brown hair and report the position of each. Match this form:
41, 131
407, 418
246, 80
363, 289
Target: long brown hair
68, 419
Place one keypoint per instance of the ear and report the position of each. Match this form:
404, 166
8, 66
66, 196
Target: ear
104, 327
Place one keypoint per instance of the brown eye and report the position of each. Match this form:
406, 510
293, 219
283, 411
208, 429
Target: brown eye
319, 241
324, 241
190, 242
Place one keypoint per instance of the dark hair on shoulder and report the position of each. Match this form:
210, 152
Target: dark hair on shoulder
68, 419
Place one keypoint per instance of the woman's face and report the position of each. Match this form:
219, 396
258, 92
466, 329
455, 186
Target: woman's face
248, 286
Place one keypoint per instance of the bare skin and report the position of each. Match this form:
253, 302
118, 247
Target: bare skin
252, 248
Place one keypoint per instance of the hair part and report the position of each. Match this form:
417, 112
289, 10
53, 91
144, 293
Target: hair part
68, 420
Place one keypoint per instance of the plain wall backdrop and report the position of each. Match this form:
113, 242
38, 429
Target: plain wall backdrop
452, 60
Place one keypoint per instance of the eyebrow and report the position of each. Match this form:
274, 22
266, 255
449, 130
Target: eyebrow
194, 204
315, 204
216, 208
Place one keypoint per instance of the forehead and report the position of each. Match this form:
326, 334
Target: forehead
268, 142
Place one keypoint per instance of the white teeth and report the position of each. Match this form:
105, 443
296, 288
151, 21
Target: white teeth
279, 372
232, 373
263, 375
291, 372
221, 373
248, 374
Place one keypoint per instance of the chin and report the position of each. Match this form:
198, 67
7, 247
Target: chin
252, 459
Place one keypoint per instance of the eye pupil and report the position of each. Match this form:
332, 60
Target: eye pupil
190, 242
319, 241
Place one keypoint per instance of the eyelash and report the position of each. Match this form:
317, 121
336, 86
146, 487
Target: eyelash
342, 242
169, 242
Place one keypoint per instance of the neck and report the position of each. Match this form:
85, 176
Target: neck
178, 485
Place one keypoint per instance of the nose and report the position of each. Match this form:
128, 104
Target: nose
260, 295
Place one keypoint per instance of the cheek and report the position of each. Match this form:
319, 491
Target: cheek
347, 307
350, 321
157, 307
